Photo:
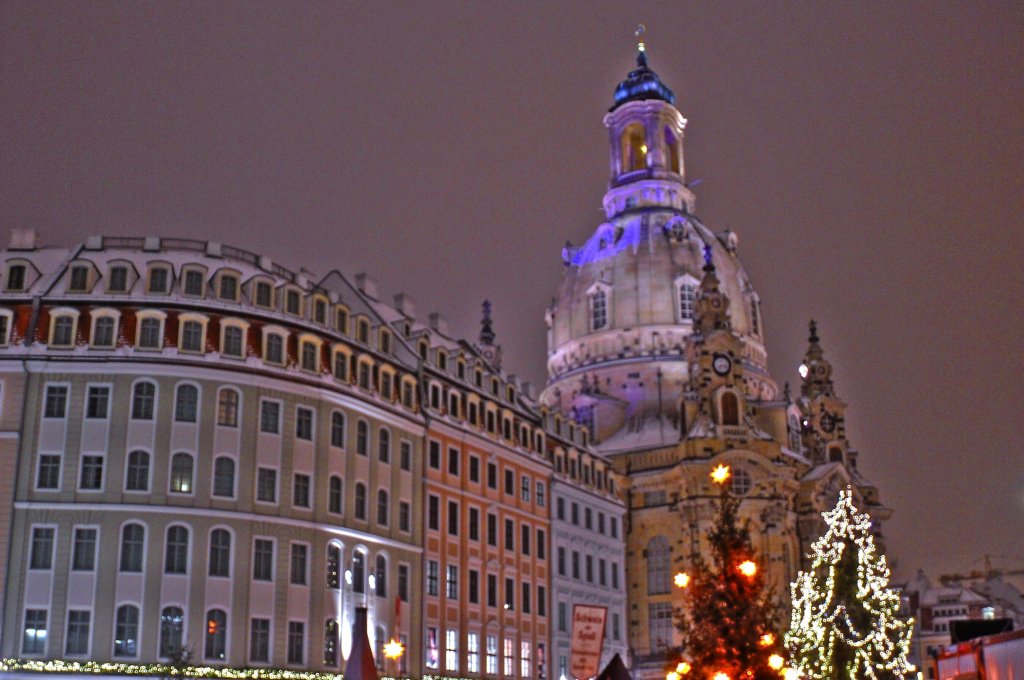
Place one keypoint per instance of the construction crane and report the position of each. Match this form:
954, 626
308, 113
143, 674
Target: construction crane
977, 574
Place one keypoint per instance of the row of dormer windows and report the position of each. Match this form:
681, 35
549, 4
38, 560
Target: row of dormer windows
226, 285
589, 474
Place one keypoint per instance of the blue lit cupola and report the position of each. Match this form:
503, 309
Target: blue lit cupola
642, 83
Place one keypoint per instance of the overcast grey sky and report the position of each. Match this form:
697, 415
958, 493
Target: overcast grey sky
867, 154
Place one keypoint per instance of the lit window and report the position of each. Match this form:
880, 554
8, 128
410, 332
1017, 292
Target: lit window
215, 642
126, 631
181, 473
451, 650
227, 408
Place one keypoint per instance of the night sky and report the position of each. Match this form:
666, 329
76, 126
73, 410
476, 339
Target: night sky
867, 154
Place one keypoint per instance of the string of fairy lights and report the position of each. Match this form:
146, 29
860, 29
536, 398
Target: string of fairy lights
820, 621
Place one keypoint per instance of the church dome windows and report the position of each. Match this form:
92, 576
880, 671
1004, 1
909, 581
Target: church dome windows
633, 148
686, 298
598, 307
672, 154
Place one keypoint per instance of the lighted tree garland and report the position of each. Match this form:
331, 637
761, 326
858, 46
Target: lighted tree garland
728, 622
845, 622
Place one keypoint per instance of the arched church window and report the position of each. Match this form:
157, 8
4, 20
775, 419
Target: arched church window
730, 409
598, 310
687, 300
672, 151
755, 317
634, 148
658, 566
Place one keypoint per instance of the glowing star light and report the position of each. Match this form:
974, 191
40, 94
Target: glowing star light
720, 474
683, 668
393, 649
682, 579
767, 640
720, 676
791, 674
748, 568
775, 662
672, 675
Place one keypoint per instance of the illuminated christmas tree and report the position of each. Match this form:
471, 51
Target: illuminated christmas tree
728, 622
845, 622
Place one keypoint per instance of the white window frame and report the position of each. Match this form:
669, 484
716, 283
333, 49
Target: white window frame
149, 314
58, 313
685, 280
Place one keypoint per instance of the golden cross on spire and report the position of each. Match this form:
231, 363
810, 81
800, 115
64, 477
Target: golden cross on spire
640, 30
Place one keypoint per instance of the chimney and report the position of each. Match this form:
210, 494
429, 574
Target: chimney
22, 239
438, 323
403, 303
366, 284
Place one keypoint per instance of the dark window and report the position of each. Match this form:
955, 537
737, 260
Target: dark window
91, 478
118, 279
176, 552
510, 482
360, 501
474, 469
382, 507
541, 545
452, 582
158, 280
334, 495
264, 294
97, 402
403, 582
304, 424
63, 327
48, 475
434, 456
453, 518
542, 601
143, 401
270, 417
102, 331
510, 594
83, 557
300, 491
16, 277
524, 540
309, 356
362, 438
133, 545
338, 429
510, 535
293, 303
193, 282
220, 553
42, 548
56, 401
77, 641
404, 511
433, 512
432, 577
186, 404
233, 342
492, 590
474, 586
228, 287
453, 461
405, 455
382, 576
359, 573
384, 446
150, 331
266, 485
259, 640
492, 530
224, 477
192, 336
275, 348
263, 560
526, 598
298, 566
474, 524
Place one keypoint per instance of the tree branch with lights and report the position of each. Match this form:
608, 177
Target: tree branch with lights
728, 622
845, 621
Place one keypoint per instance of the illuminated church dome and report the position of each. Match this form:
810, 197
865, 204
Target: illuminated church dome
625, 305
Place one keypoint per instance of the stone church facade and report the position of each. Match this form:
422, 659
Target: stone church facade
656, 343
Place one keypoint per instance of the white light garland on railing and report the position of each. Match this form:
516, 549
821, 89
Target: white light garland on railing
186, 671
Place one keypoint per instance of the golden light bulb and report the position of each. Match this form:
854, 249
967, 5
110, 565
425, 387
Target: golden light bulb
767, 639
720, 474
683, 668
748, 568
791, 674
672, 675
682, 579
393, 649
720, 676
775, 662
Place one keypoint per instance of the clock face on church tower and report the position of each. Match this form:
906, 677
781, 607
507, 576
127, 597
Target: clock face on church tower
722, 364
828, 422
